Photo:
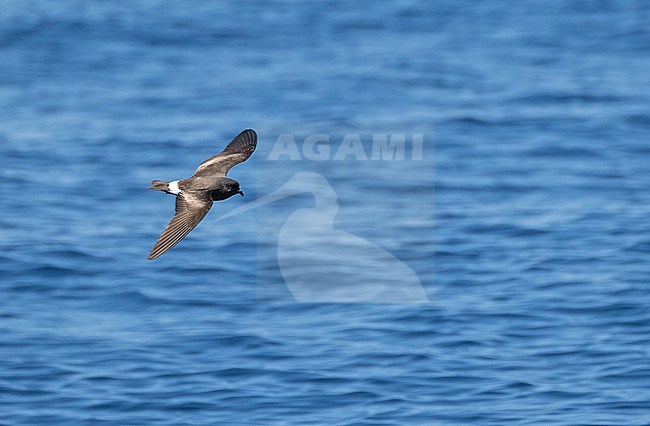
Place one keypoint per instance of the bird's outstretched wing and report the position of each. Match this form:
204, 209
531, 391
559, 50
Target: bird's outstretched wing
191, 208
236, 152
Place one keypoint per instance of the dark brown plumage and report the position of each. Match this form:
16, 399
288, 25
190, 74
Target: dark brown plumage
195, 195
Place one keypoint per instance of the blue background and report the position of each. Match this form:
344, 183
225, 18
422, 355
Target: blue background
532, 198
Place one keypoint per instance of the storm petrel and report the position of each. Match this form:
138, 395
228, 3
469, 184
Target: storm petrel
194, 195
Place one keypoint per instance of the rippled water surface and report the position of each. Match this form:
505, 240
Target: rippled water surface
524, 225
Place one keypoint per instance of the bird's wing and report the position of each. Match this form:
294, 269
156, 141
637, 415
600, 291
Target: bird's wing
191, 208
236, 152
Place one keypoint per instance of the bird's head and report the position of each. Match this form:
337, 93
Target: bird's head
228, 188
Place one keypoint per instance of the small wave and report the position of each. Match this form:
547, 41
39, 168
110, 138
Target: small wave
563, 98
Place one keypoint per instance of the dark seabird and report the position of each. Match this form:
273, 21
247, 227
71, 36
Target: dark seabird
194, 195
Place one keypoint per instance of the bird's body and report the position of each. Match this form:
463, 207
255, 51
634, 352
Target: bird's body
219, 187
195, 195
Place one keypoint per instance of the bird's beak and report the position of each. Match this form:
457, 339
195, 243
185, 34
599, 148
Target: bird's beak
241, 193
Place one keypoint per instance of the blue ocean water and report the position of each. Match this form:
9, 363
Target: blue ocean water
526, 220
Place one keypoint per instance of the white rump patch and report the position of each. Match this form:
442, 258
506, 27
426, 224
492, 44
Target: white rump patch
173, 187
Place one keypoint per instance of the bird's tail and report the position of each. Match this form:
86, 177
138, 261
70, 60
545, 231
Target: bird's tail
159, 185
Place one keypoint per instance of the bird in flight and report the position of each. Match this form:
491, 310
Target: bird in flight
194, 195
